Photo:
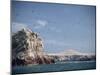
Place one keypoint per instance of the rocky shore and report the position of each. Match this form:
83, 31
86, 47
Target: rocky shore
27, 48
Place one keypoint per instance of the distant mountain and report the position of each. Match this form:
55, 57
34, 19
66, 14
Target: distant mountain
73, 55
27, 48
70, 52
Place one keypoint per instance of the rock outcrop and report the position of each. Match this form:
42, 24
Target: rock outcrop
27, 48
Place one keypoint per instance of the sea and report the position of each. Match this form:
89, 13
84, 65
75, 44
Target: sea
57, 67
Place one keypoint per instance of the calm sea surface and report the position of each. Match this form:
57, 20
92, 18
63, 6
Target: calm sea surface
66, 66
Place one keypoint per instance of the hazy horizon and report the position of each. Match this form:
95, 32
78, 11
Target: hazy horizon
62, 26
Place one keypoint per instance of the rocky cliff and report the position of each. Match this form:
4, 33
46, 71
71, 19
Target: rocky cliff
27, 48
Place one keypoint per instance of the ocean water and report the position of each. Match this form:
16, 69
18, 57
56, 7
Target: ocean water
65, 66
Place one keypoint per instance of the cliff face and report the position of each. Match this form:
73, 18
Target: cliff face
27, 48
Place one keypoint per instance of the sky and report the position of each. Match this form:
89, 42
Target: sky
61, 26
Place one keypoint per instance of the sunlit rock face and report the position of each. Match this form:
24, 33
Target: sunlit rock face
27, 48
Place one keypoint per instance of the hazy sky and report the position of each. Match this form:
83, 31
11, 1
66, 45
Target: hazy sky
61, 26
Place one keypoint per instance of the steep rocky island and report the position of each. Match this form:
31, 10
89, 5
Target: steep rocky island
27, 48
